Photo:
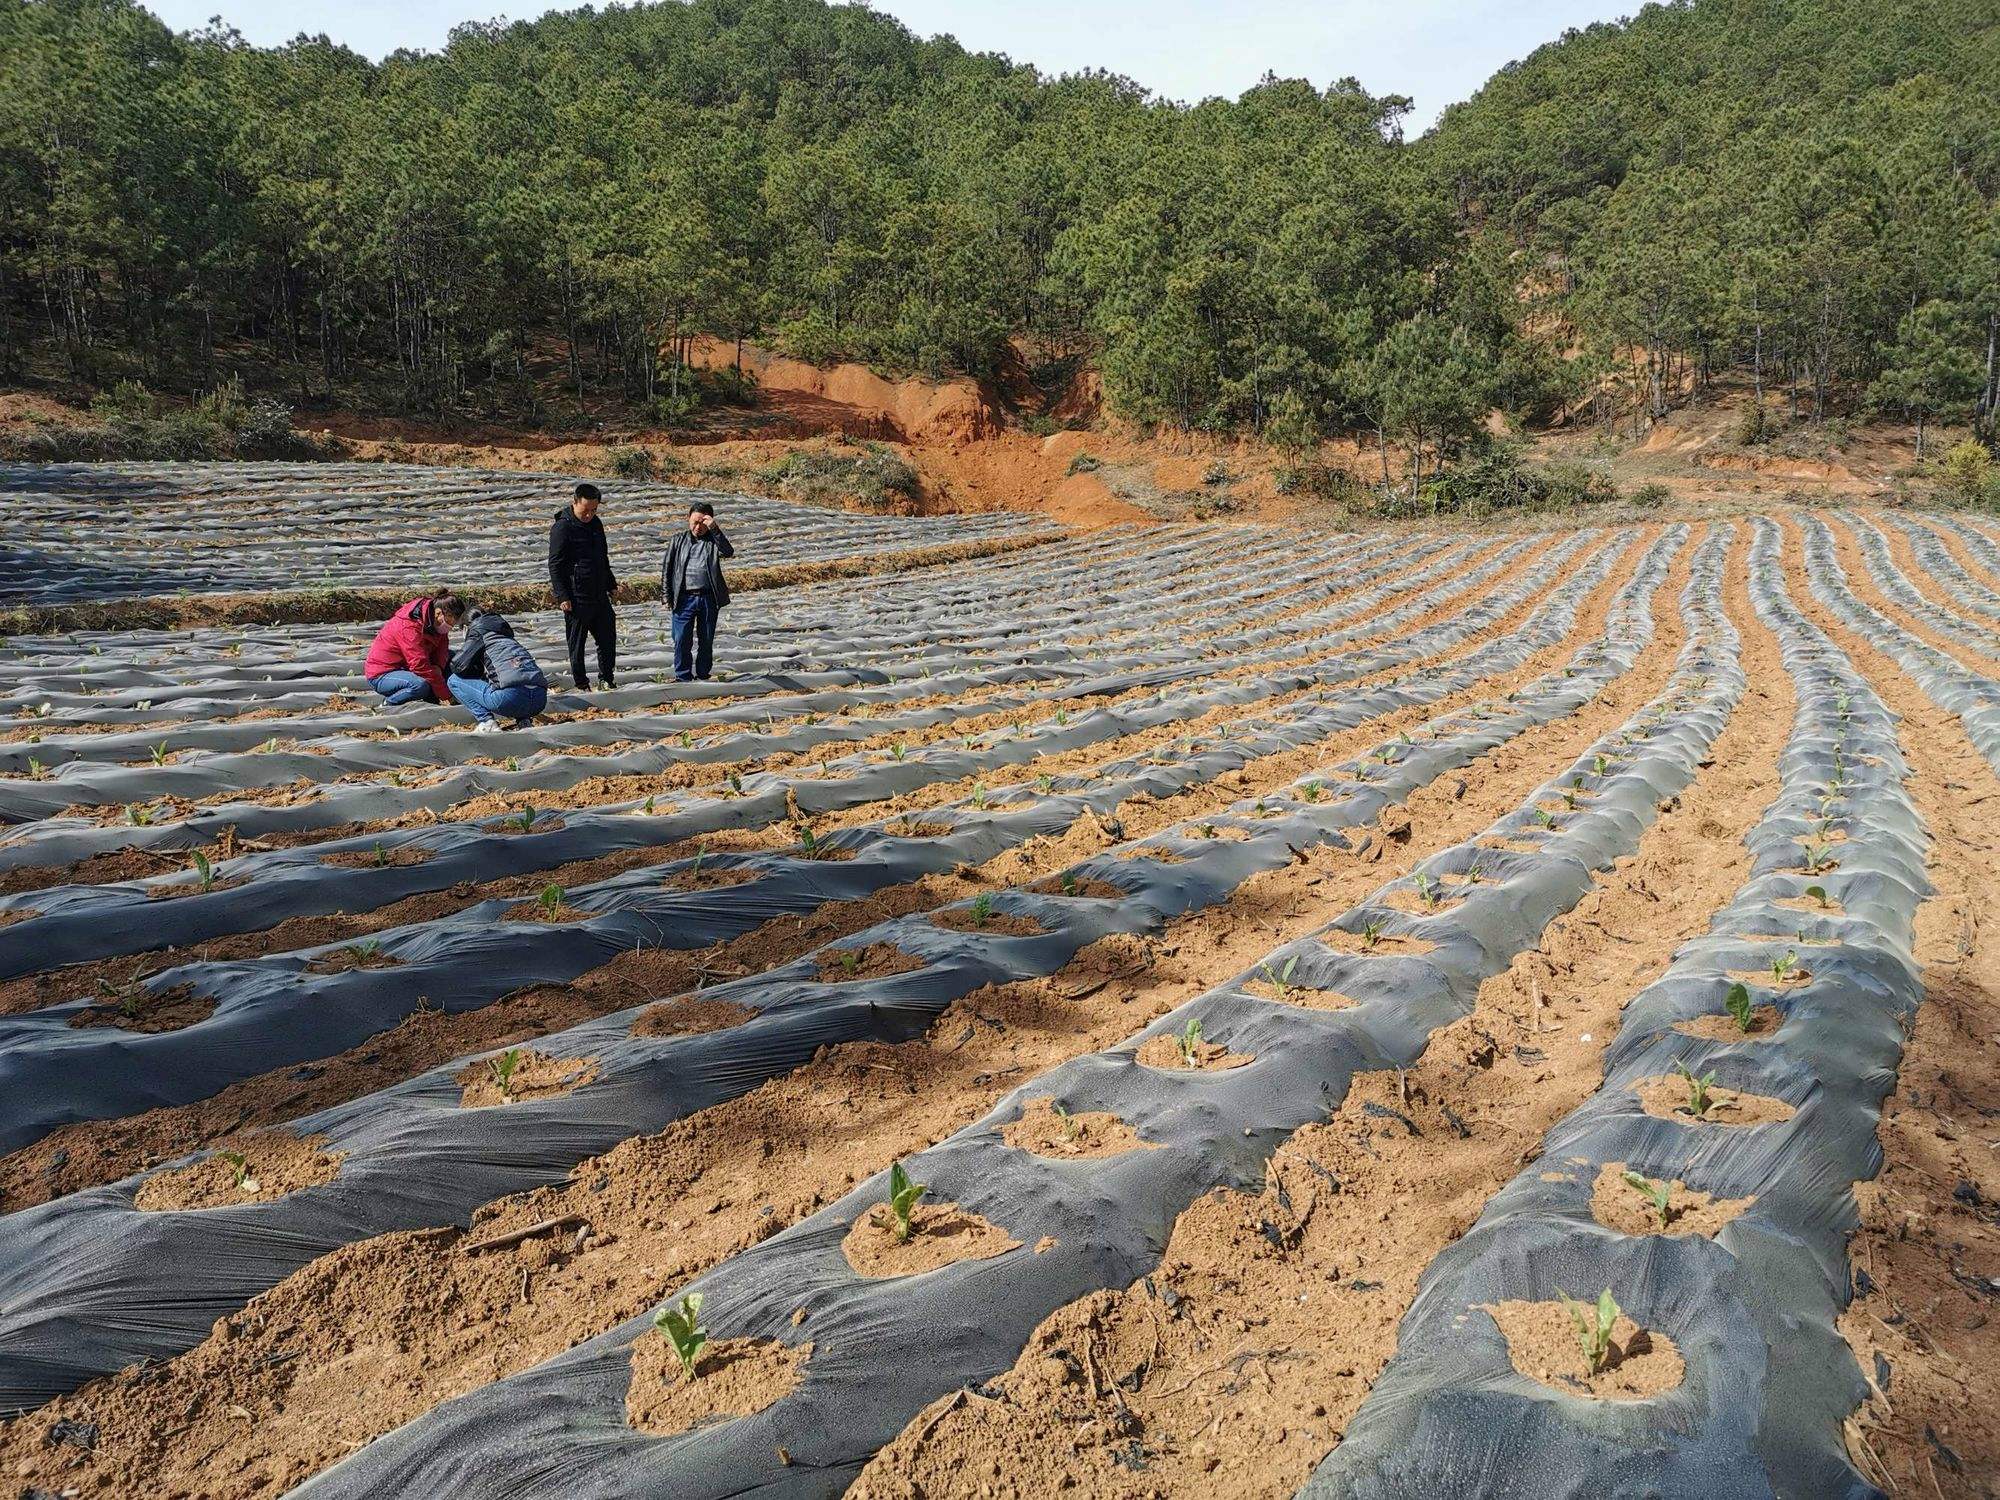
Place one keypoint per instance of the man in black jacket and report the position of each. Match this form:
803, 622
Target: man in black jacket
580, 574
694, 591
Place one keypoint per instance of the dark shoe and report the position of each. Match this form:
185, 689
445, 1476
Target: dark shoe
606, 685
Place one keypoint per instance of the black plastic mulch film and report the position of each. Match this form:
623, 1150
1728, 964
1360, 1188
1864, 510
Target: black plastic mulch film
69, 1268
1768, 1378
882, 1349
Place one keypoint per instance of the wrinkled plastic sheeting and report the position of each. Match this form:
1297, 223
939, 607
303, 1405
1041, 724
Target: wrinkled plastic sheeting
412, 1158
1769, 1380
884, 1349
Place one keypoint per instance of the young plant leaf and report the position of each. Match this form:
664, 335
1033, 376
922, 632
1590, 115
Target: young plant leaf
903, 1196
681, 1326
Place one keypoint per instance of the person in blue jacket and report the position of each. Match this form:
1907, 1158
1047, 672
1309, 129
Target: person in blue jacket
494, 675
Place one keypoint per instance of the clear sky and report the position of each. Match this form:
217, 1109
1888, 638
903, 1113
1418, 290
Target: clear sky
1436, 51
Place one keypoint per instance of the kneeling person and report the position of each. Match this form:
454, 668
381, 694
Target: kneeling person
494, 674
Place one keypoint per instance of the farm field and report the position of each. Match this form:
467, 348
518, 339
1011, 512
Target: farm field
1289, 963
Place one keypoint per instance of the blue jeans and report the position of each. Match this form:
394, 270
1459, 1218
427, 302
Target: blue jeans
522, 702
402, 687
694, 637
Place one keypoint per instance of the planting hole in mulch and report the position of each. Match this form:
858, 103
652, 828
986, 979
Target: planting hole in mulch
536, 911
991, 924
514, 823
906, 829
941, 1234
1079, 886
1301, 995
254, 1169
1618, 1204
732, 1378
195, 888
1666, 1098
1764, 1023
530, 1075
1416, 904
1511, 846
1166, 1054
1792, 978
1382, 945
1542, 1344
9, 918
689, 1016
711, 877
354, 956
379, 859
149, 1010
837, 965
1046, 1131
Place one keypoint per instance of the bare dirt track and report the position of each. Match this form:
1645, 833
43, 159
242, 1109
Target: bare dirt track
943, 843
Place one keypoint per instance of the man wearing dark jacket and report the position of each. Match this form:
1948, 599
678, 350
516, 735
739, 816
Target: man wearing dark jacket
580, 574
694, 590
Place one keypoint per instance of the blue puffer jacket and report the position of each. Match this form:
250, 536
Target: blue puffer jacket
490, 649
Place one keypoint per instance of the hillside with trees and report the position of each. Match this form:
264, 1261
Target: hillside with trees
547, 215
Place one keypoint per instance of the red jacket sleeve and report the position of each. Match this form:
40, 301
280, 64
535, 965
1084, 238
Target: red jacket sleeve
437, 653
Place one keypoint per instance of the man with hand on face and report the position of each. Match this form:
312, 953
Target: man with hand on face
692, 586
580, 574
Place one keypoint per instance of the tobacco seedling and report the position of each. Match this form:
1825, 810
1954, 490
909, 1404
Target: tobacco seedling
1818, 893
365, 949
681, 1326
982, 909
526, 821
1068, 1123
1280, 979
204, 871
1819, 857
807, 842
381, 857
513, 762
1782, 968
1068, 884
736, 783
1062, 717
648, 808
239, 1169
160, 753
850, 962
1544, 818
503, 1069
1189, 1042
1045, 784
903, 1196
36, 770
1599, 765
1737, 1003
1698, 1100
1427, 891
979, 795
551, 899
687, 739
137, 816
899, 750
1371, 934
1311, 791
1593, 1326
1658, 1194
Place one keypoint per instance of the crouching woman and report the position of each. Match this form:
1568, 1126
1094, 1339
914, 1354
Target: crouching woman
496, 676
406, 660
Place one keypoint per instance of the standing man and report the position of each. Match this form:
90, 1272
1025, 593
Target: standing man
692, 585
580, 574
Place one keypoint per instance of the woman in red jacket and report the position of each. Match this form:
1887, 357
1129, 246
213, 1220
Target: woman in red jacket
407, 659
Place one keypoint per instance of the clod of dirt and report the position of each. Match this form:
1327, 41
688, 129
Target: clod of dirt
838, 965
941, 1234
150, 1010
1044, 1131
689, 1016
1164, 1053
1542, 1344
733, 1378
385, 859
272, 1166
1764, 1023
993, 924
535, 1075
1666, 1098
1616, 1204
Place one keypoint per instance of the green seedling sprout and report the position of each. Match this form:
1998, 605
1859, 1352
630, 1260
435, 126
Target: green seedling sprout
1737, 1003
1280, 979
982, 908
1658, 1194
1819, 857
681, 1327
850, 962
1206, 830
36, 770
1068, 1123
204, 871
1068, 883
1062, 717
1544, 817
1311, 791
160, 753
899, 750
1818, 894
1569, 800
137, 816
239, 1168
903, 1196
979, 795
687, 739
551, 899
807, 842
1189, 1042
700, 854
1371, 933
503, 1069
648, 808
1427, 891
527, 820
366, 949
1782, 968
736, 783
1698, 1100
1599, 765
513, 762
1593, 1326
1045, 784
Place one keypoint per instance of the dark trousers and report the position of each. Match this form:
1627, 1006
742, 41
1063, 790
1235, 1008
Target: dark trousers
596, 619
694, 637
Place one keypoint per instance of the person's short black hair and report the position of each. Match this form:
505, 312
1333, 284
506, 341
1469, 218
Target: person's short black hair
587, 491
703, 506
